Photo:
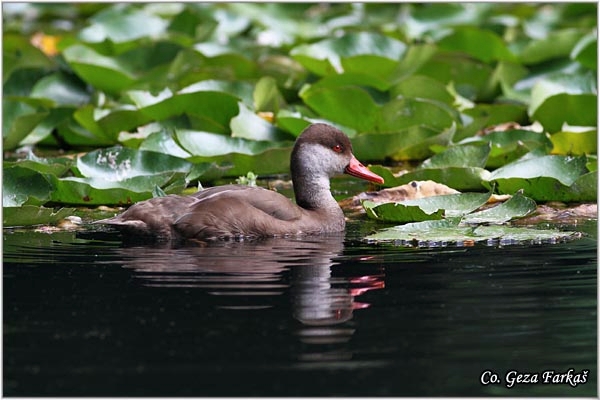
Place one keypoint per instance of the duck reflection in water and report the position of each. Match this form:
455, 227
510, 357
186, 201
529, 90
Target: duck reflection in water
254, 274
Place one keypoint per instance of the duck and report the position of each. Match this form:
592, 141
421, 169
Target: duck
234, 211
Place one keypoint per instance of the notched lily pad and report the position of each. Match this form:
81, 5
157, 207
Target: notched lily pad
451, 232
33, 215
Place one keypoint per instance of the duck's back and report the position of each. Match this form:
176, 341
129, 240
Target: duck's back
237, 211
214, 213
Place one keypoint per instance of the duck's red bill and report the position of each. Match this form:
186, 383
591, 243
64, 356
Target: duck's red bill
355, 168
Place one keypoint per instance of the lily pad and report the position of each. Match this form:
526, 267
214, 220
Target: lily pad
400, 212
508, 146
349, 53
481, 44
105, 73
516, 207
546, 178
122, 23
348, 105
118, 164
96, 191
21, 186
565, 98
54, 165
451, 232
29, 215
575, 143
431, 208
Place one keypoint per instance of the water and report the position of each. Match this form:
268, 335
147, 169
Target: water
321, 316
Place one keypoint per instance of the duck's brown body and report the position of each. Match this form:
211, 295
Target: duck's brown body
236, 211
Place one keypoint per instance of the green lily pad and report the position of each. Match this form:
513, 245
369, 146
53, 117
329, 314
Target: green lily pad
54, 165
122, 23
350, 53
24, 186
459, 156
508, 146
18, 121
481, 44
459, 178
554, 45
400, 212
471, 78
19, 54
96, 191
29, 215
547, 178
575, 143
349, 106
248, 125
261, 157
482, 116
413, 143
428, 208
118, 164
424, 87
586, 51
402, 113
163, 142
452, 232
517, 206
63, 90
565, 98
105, 73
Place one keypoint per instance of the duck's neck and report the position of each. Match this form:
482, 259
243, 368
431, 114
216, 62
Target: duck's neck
313, 193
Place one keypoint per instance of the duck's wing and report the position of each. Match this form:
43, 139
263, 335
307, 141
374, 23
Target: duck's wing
264, 200
153, 217
232, 210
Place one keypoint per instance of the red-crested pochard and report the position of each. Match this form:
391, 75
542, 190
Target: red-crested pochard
237, 211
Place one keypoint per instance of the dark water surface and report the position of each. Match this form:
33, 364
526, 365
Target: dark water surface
319, 316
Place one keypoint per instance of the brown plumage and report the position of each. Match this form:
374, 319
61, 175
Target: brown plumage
235, 211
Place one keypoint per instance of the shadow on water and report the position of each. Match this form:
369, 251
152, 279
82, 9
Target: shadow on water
325, 315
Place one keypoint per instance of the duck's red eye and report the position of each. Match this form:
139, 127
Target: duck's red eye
337, 148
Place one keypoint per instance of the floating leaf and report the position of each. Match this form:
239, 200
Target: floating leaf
408, 144
586, 51
118, 164
471, 78
18, 54
424, 87
349, 53
262, 157
451, 232
63, 90
248, 125
400, 212
459, 156
565, 98
104, 73
23, 186
402, 113
18, 120
427, 208
95, 191
482, 44
349, 106
484, 116
33, 215
554, 45
516, 207
575, 143
508, 146
122, 23
546, 178
55, 165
